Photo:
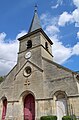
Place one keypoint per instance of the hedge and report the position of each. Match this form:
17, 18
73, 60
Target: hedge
69, 117
48, 118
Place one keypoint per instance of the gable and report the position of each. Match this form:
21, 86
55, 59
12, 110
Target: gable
28, 63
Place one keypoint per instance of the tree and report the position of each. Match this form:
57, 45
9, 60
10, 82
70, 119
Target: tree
1, 79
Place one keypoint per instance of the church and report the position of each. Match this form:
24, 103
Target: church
37, 86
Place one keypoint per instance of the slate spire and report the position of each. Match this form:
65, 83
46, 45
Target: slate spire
35, 24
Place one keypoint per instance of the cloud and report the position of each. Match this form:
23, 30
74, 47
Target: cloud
55, 6
78, 35
76, 49
60, 52
2, 36
59, 3
73, 17
76, 3
52, 29
22, 33
65, 18
47, 19
8, 54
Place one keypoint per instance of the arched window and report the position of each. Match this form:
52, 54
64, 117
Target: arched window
29, 44
4, 108
46, 45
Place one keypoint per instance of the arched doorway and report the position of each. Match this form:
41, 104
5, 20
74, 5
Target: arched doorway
61, 104
4, 108
29, 107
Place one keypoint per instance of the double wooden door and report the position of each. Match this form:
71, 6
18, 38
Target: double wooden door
29, 107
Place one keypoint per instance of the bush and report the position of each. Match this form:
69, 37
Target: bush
66, 118
69, 117
48, 118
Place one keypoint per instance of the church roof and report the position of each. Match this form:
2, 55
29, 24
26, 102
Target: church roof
35, 24
59, 66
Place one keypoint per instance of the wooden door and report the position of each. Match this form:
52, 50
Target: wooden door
4, 109
29, 107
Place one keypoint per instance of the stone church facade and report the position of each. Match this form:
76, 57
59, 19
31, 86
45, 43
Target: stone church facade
38, 86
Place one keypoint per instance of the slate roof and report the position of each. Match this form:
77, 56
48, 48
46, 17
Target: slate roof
35, 24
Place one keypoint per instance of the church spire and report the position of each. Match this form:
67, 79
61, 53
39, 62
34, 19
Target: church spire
35, 24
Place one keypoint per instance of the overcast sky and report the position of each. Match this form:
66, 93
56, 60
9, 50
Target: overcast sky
59, 19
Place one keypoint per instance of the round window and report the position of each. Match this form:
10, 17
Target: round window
27, 71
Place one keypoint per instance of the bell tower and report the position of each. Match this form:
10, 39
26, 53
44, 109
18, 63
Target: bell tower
35, 44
